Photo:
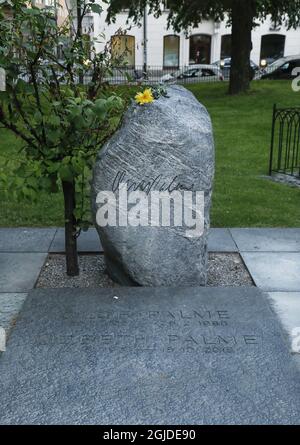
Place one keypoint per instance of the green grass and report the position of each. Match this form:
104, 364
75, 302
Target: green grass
242, 127
47, 212
242, 198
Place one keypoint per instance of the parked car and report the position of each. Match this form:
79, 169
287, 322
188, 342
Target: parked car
225, 66
195, 73
270, 60
282, 69
226, 63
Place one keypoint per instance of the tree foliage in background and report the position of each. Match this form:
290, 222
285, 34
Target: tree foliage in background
61, 122
241, 15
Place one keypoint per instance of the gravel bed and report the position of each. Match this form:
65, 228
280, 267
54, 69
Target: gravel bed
227, 269
224, 269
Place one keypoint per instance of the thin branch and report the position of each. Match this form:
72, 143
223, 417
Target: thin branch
37, 98
25, 120
12, 127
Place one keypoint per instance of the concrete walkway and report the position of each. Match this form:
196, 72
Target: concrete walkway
272, 257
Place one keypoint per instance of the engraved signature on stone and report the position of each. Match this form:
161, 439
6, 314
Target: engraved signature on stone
149, 184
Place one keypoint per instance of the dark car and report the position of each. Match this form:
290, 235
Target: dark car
225, 66
282, 69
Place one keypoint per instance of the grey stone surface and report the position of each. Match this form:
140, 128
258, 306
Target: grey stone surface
220, 240
148, 356
292, 181
10, 306
19, 271
25, 239
86, 242
287, 306
274, 271
267, 240
160, 146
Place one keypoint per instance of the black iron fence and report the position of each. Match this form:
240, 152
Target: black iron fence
138, 75
157, 74
285, 142
189, 74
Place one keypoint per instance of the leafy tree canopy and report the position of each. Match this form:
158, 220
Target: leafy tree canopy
183, 14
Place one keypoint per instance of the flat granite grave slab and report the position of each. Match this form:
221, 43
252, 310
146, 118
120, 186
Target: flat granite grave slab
10, 306
287, 306
148, 356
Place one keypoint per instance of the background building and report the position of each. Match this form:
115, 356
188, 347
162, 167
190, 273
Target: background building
208, 43
61, 8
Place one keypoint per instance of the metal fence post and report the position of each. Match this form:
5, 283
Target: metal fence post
272, 140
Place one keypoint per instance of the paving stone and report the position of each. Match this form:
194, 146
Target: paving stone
220, 240
87, 242
25, 239
267, 240
148, 356
10, 306
274, 271
19, 271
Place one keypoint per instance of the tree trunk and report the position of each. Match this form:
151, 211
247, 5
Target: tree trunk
243, 13
70, 229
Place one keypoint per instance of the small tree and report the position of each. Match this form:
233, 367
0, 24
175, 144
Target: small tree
61, 122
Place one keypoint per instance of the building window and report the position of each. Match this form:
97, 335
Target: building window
200, 49
123, 50
226, 46
171, 51
272, 47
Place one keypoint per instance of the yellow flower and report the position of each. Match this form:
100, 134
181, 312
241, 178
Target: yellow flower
87, 62
145, 97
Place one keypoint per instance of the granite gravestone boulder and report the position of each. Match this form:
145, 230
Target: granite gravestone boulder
163, 146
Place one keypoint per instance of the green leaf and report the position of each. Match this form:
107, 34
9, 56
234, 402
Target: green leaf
38, 117
100, 108
78, 165
53, 120
66, 173
31, 11
52, 167
97, 9
66, 160
32, 182
45, 183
